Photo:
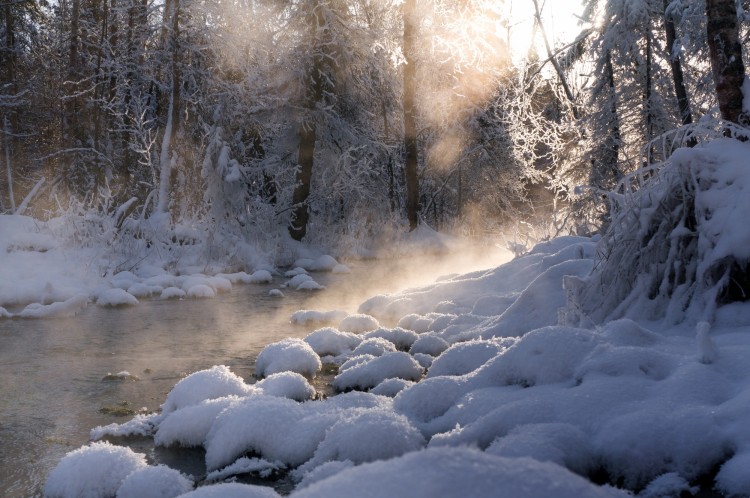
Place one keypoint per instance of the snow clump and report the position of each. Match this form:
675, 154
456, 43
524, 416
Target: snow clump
155, 482
215, 382
288, 355
92, 471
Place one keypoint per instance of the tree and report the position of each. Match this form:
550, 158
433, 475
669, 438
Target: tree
411, 161
726, 58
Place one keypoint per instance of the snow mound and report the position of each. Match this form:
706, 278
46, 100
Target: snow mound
292, 355
358, 323
563, 444
429, 344
275, 293
116, 297
339, 268
155, 482
321, 263
215, 382
232, 490
465, 357
733, 477
201, 291
189, 426
310, 285
375, 346
401, 338
261, 277
259, 423
92, 471
287, 385
371, 373
173, 293
454, 472
366, 437
391, 387
329, 341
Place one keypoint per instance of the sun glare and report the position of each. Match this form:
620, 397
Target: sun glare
561, 23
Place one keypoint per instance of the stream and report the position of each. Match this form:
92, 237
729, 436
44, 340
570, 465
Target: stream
53, 372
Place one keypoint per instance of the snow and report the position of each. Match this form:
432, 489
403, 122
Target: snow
155, 481
215, 382
358, 323
429, 344
287, 385
92, 471
116, 297
232, 490
245, 465
293, 355
456, 472
331, 341
401, 338
375, 346
261, 277
201, 291
172, 293
517, 398
372, 372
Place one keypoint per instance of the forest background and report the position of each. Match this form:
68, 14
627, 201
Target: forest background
242, 124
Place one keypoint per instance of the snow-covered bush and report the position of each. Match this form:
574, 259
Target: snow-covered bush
676, 243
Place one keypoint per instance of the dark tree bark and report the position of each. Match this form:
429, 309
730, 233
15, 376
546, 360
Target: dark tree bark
307, 133
726, 58
675, 63
410, 124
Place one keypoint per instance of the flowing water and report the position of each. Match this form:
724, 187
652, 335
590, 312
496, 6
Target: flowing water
53, 373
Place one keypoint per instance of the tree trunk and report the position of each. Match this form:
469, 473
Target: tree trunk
410, 125
307, 133
675, 63
173, 120
726, 58
72, 106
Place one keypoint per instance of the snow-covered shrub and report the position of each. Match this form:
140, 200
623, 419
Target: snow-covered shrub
676, 244
292, 355
92, 471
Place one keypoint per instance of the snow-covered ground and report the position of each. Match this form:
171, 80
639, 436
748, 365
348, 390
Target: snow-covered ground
482, 389
44, 273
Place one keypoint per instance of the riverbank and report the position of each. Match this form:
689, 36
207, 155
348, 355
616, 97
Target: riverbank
484, 387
